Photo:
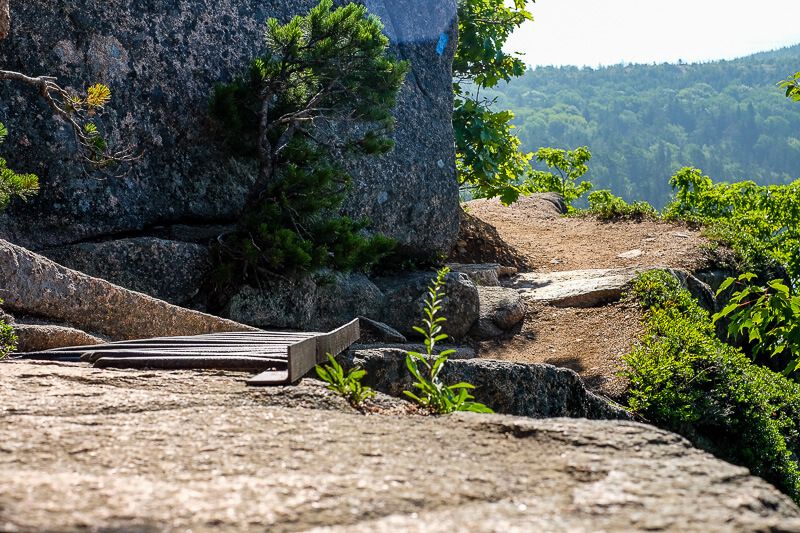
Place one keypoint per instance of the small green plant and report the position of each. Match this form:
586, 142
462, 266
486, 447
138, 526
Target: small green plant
432, 393
606, 206
348, 384
768, 315
685, 379
8, 340
570, 166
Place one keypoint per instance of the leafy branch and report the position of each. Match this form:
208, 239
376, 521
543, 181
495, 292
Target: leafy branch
488, 157
792, 86
768, 315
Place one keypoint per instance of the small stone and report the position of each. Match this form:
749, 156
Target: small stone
506, 271
502, 306
35, 337
631, 254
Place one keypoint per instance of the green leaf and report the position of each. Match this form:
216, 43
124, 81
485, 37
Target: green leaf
725, 284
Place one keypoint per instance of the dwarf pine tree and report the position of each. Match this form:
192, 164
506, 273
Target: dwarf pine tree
324, 89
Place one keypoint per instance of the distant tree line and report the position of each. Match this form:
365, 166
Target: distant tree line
645, 122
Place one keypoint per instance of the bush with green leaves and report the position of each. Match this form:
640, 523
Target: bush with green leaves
606, 206
488, 159
761, 223
685, 379
431, 392
767, 316
348, 384
323, 90
569, 166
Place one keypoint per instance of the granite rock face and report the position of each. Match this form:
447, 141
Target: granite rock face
39, 287
168, 270
538, 391
161, 60
149, 451
5, 19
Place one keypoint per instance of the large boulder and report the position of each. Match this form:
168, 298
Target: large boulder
321, 302
34, 285
161, 61
93, 450
538, 391
168, 270
405, 300
574, 288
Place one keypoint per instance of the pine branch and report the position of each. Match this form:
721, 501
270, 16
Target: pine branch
74, 112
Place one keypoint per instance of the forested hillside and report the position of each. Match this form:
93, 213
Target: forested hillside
644, 122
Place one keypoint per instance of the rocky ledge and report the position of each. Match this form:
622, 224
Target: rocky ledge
144, 451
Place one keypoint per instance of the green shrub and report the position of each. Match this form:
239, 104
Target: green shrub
684, 379
8, 340
767, 316
296, 227
432, 393
606, 206
760, 223
569, 166
347, 384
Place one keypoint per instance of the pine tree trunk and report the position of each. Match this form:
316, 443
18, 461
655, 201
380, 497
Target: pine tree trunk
5, 19
266, 153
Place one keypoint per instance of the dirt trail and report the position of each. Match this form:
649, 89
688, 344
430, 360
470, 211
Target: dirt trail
590, 341
552, 242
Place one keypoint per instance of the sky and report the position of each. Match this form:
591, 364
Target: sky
607, 32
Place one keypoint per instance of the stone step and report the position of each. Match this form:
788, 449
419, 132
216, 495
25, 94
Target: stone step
574, 288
